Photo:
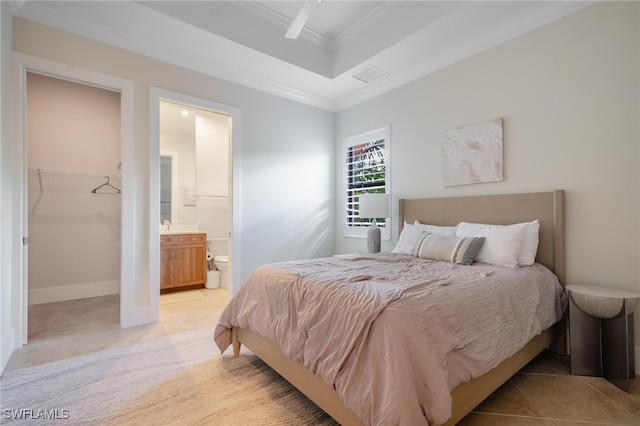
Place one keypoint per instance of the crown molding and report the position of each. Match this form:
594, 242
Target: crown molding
362, 24
532, 19
262, 12
194, 52
15, 5
118, 24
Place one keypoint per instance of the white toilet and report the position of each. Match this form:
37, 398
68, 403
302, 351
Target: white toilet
219, 248
221, 263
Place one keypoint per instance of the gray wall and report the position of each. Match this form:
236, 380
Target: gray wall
569, 96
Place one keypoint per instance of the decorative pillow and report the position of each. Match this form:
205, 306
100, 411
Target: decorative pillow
411, 232
462, 250
434, 229
503, 243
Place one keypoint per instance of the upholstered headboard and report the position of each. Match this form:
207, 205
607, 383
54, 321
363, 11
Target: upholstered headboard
506, 209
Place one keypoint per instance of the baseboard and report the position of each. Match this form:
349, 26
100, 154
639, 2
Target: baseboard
6, 348
38, 296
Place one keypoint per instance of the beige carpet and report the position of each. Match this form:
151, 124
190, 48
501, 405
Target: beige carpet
175, 380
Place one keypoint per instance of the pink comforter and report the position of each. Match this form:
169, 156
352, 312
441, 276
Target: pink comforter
392, 333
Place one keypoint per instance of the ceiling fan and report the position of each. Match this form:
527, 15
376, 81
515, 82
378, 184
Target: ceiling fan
300, 20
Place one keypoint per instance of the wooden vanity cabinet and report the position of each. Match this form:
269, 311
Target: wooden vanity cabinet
183, 260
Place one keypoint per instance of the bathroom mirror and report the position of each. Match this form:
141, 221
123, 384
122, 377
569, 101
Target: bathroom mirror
165, 188
177, 165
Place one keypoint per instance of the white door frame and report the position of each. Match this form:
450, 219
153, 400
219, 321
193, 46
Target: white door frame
156, 96
130, 313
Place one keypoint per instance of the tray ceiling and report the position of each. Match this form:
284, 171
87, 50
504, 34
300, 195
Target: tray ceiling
347, 52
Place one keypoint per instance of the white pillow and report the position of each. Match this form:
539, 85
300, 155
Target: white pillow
408, 237
529, 249
411, 232
438, 230
502, 245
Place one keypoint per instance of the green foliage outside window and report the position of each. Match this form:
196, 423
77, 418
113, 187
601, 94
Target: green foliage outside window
366, 173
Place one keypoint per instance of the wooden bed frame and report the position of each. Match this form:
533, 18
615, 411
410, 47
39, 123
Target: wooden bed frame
547, 207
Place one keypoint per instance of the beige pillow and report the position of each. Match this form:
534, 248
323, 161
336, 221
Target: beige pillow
462, 250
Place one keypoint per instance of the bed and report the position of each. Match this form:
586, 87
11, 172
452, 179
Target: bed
336, 397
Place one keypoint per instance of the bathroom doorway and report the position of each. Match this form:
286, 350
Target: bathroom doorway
196, 180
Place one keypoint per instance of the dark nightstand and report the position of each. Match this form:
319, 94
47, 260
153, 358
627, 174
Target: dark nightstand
601, 332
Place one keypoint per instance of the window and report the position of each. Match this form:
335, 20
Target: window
366, 160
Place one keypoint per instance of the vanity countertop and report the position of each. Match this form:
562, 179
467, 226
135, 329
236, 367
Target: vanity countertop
177, 231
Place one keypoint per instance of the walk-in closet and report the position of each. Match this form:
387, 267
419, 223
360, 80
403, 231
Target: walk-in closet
74, 189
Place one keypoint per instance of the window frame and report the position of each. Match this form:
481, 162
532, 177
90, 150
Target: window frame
348, 142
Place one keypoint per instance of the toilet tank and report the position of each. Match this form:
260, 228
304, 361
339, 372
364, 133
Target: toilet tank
218, 246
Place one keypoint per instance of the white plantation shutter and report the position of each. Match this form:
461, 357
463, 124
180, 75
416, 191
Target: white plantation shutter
366, 170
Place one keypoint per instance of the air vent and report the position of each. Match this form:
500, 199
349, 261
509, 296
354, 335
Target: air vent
369, 74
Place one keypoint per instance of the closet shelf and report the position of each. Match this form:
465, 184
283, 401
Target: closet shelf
45, 180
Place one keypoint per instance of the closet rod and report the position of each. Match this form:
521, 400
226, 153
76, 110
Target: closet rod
66, 180
211, 196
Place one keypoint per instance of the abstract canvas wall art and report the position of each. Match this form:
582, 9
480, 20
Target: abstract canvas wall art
473, 154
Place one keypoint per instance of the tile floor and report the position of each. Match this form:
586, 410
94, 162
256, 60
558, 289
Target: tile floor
545, 393
542, 393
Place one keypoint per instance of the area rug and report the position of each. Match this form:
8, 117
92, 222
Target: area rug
175, 380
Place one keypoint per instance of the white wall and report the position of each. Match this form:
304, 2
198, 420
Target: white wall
212, 173
74, 235
569, 95
7, 263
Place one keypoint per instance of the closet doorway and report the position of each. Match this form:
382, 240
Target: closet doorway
73, 143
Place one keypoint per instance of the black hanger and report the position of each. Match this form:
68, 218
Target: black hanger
107, 183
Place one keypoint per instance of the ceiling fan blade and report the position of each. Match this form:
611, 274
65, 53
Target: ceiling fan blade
298, 22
